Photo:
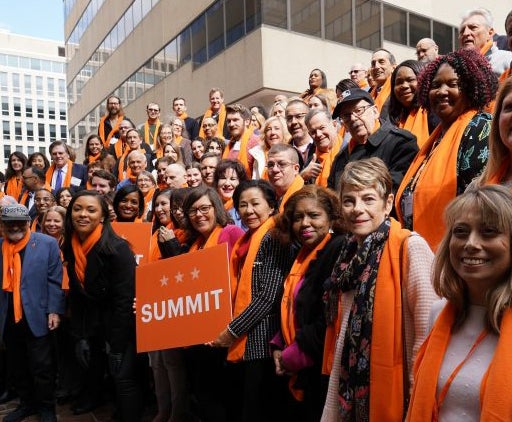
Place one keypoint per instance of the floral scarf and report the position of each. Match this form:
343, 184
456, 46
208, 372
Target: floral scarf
356, 269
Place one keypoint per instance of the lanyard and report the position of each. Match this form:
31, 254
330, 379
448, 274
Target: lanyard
446, 386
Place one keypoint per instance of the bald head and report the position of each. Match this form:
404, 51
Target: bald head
175, 176
426, 50
358, 72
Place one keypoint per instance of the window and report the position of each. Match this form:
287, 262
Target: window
42, 150
395, 25
184, 47
17, 131
171, 56
35, 64
15, 83
215, 22
62, 111
53, 132
368, 24
51, 86
235, 27
30, 150
3, 81
305, 17
63, 132
198, 31
443, 34
30, 131
252, 14
62, 88
39, 85
51, 110
40, 109
28, 84
5, 106
6, 130
419, 27
274, 13
7, 152
28, 108
40, 132
338, 21
17, 106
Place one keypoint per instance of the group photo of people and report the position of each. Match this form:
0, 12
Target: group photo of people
368, 226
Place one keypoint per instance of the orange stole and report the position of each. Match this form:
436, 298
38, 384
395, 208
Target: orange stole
150, 137
297, 184
495, 389
154, 250
242, 154
66, 183
82, 249
14, 186
147, 200
506, 74
212, 240
417, 123
331, 335
220, 123
241, 279
296, 274
383, 94
115, 128
326, 159
437, 184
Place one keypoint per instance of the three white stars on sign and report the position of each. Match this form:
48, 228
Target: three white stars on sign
179, 277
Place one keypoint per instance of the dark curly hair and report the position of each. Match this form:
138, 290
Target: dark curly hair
476, 79
397, 110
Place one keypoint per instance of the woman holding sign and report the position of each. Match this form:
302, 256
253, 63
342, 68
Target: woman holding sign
101, 270
259, 264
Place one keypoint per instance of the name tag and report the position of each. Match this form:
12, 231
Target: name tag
75, 181
407, 205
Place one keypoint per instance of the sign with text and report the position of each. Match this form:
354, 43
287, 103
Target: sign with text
184, 300
138, 235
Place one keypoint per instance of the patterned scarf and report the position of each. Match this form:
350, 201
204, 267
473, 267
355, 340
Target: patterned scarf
356, 269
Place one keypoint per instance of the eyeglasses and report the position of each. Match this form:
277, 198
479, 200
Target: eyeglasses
208, 124
153, 110
27, 177
299, 116
124, 127
176, 210
281, 165
110, 103
356, 71
359, 111
203, 209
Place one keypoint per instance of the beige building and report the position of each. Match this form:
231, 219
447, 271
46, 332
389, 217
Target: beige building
154, 50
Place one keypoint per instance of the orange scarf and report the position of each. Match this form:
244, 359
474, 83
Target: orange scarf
66, 183
326, 159
65, 277
384, 93
241, 280
119, 148
437, 184
149, 136
220, 123
82, 249
331, 335
12, 271
147, 200
297, 184
486, 47
242, 156
417, 123
13, 187
126, 173
154, 250
24, 195
115, 129
296, 274
212, 240
363, 84
93, 158
34, 226
506, 74
496, 386
178, 139
228, 204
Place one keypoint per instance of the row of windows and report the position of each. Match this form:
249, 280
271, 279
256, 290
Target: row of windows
18, 107
84, 21
31, 63
27, 150
68, 6
30, 84
19, 131
359, 23
124, 27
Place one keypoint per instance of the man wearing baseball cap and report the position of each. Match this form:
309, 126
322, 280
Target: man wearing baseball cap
370, 137
31, 300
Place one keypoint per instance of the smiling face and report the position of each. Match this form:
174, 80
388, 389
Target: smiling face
133, 140
144, 183
202, 216
100, 185
359, 117
53, 224
86, 215
474, 32
59, 155
236, 125
194, 177
227, 183
273, 132
296, 122
137, 163
208, 166
128, 208
16, 163
65, 198
310, 222
214, 147
216, 101
38, 161
406, 84
323, 132
95, 146
169, 151
447, 101
253, 208
209, 127
163, 209
364, 210
43, 200
281, 171
479, 254
381, 67
197, 149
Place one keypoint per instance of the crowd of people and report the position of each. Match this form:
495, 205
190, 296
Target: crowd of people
368, 230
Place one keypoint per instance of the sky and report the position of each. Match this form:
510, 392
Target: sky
36, 18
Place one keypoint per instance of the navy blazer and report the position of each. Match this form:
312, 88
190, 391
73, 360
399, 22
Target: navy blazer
41, 284
79, 172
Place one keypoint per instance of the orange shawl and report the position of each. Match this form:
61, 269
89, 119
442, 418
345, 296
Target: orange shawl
149, 137
220, 123
119, 148
147, 200
384, 93
496, 386
123, 173
14, 186
66, 183
297, 184
154, 250
241, 280
417, 123
93, 158
212, 240
296, 274
24, 195
506, 74
242, 156
81, 249
34, 225
386, 362
12, 271
437, 184
115, 128
326, 159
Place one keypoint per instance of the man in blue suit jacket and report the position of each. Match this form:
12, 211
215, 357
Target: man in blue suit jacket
57, 173
31, 300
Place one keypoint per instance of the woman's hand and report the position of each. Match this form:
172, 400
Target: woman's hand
165, 234
225, 339
53, 321
278, 362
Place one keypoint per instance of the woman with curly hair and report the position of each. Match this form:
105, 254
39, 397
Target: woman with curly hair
456, 87
13, 175
38, 159
404, 110
94, 150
